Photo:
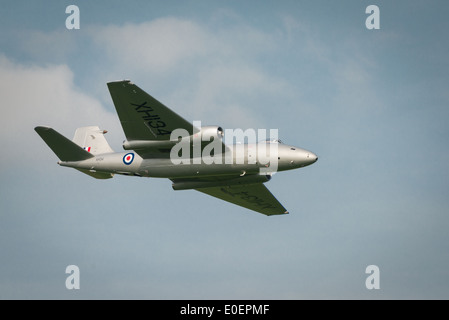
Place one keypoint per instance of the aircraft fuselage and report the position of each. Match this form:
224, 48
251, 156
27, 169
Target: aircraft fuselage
240, 160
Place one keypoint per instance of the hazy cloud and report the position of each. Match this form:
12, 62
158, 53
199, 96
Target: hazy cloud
43, 95
155, 46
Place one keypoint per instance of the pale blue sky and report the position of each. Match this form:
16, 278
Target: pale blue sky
372, 104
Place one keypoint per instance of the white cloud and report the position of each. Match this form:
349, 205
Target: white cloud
156, 46
168, 44
235, 94
55, 45
209, 72
36, 95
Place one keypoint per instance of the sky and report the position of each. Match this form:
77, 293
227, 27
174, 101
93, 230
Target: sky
373, 105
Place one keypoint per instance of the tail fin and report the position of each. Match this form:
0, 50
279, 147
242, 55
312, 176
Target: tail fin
92, 140
65, 149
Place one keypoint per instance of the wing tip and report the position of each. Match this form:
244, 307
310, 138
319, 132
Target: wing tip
119, 81
273, 214
39, 129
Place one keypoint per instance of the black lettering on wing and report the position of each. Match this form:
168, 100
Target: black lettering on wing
142, 105
253, 199
151, 120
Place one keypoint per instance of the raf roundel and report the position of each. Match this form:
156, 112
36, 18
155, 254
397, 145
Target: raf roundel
128, 158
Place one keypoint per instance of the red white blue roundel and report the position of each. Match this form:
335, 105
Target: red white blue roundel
128, 158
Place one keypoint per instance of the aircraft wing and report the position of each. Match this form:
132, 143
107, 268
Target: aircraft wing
147, 123
142, 116
251, 196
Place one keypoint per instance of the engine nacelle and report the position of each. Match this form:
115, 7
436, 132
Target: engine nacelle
205, 135
209, 132
147, 144
198, 184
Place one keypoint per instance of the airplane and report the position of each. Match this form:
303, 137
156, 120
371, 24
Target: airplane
161, 144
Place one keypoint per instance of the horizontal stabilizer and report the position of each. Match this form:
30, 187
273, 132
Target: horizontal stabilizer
65, 149
96, 174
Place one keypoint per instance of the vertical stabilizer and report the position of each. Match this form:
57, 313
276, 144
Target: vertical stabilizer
92, 140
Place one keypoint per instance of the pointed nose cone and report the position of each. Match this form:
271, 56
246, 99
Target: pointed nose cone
303, 158
313, 157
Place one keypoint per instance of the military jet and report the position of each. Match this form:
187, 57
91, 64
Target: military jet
161, 144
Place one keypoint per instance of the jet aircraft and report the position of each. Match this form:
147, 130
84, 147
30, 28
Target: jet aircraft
156, 137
